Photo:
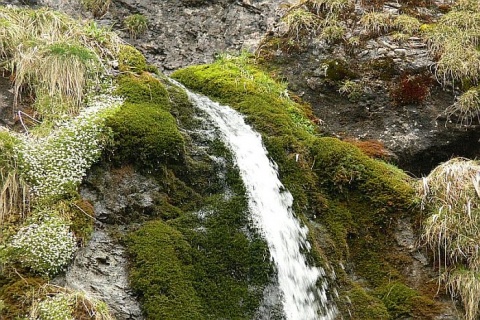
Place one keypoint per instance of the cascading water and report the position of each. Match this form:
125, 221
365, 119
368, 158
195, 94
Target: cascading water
270, 206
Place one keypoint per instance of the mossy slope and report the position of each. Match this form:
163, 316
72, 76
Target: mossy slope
199, 258
356, 198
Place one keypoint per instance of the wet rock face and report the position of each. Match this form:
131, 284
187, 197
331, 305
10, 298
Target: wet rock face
418, 134
100, 270
186, 32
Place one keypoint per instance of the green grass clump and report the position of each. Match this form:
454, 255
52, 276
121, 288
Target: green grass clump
301, 22
376, 22
136, 24
406, 24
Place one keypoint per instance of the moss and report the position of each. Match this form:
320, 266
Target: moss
161, 272
143, 130
145, 135
82, 220
337, 70
143, 88
400, 300
231, 266
131, 60
343, 167
213, 255
18, 294
364, 306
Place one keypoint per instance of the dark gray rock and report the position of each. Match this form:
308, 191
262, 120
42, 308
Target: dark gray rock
99, 269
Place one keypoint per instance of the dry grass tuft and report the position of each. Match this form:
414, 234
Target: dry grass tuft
467, 107
14, 196
451, 192
58, 70
465, 284
376, 22
300, 21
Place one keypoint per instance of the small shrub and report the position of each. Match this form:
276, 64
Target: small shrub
353, 90
376, 23
136, 25
406, 23
467, 107
45, 245
97, 7
301, 22
412, 89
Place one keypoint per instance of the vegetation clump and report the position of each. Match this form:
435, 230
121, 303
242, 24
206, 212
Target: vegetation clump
136, 25
450, 195
130, 59
412, 88
97, 7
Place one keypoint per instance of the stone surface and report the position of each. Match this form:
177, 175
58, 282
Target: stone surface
99, 269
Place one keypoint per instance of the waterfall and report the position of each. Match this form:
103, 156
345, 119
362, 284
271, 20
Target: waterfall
270, 206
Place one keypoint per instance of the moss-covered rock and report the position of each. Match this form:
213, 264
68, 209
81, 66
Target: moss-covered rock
143, 88
162, 272
131, 60
146, 135
144, 131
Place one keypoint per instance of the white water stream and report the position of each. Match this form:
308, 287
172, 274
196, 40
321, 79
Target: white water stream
270, 208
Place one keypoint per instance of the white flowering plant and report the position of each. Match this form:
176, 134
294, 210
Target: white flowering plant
54, 165
45, 245
66, 304
59, 307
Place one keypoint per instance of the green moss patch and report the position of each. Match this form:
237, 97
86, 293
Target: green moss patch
146, 135
162, 272
212, 255
131, 60
143, 88
144, 131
